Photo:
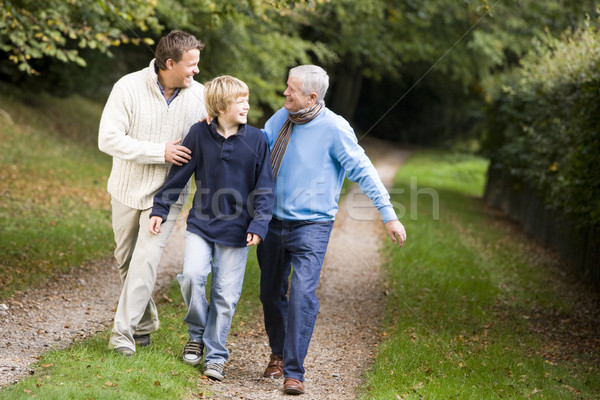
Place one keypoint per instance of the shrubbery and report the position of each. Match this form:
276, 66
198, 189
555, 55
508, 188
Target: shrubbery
545, 130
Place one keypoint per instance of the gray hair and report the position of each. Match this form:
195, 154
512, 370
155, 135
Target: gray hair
313, 78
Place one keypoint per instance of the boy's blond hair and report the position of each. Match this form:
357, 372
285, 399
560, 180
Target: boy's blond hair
222, 91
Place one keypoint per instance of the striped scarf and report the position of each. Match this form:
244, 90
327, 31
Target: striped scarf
299, 118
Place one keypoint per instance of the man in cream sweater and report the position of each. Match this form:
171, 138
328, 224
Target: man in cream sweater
146, 117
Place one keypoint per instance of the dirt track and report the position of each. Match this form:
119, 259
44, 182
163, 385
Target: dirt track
76, 305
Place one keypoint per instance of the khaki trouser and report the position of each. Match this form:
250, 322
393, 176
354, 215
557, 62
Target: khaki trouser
138, 254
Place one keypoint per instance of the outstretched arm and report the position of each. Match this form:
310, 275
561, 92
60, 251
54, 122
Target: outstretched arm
396, 232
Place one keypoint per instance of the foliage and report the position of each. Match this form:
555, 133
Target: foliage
419, 71
255, 41
544, 130
471, 305
450, 60
32, 29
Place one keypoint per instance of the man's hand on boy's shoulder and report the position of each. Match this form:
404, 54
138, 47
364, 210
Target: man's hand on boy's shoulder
252, 239
177, 154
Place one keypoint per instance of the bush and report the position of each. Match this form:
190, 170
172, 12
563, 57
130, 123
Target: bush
544, 130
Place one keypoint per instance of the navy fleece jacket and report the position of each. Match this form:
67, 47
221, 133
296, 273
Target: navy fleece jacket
234, 184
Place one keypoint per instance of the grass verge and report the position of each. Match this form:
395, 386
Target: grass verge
471, 302
88, 370
54, 209
55, 215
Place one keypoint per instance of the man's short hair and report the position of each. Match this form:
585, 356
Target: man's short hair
173, 45
314, 80
222, 91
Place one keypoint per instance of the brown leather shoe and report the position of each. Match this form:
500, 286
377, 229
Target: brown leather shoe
293, 386
275, 367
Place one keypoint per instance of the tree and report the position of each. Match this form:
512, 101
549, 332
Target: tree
256, 41
33, 29
447, 56
545, 127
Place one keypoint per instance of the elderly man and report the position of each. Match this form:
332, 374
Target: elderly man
143, 123
312, 150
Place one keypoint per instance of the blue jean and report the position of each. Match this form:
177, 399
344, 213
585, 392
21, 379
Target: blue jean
210, 322
290, 318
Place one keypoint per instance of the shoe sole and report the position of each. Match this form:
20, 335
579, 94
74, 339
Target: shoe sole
213, 375
124, 351
192, 363
273, 376
293, 391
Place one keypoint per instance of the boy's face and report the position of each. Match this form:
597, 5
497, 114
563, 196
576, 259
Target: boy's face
237, 112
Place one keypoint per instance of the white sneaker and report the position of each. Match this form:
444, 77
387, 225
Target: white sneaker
214, 371
192, 352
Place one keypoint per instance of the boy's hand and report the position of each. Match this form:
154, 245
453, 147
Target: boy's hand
155, 223
253, 239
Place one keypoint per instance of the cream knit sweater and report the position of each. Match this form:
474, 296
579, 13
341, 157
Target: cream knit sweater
135, 126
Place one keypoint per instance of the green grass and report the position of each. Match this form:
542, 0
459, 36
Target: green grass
88, 370
463, 294
55, 215
467, 296
54, 208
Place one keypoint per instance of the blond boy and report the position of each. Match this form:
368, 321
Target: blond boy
231, 211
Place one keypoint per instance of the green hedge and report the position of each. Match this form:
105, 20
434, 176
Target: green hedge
544, 131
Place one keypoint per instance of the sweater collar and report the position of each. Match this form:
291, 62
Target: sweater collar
152, 76
213, 130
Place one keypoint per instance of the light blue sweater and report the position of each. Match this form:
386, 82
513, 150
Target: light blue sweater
318, 156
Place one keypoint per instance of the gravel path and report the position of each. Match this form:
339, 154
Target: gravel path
67, 308
74, 306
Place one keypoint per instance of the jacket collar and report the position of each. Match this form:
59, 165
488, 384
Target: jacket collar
213, 130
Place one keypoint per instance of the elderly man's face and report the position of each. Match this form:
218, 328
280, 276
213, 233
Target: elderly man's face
295, 100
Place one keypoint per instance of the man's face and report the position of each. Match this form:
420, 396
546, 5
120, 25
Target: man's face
183, 71
295, 100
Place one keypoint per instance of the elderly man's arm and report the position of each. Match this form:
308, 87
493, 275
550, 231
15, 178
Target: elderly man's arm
359, 168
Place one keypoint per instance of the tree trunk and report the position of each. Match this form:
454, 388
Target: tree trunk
347, 84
